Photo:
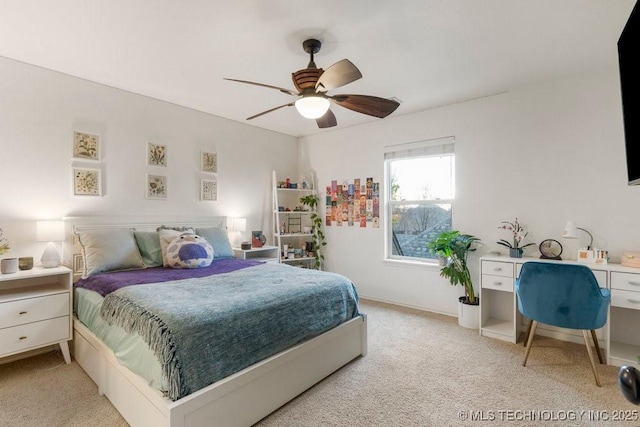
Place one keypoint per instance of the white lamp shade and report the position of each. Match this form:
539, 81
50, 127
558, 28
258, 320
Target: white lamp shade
570, 231
50, 231
239, 224
312, 107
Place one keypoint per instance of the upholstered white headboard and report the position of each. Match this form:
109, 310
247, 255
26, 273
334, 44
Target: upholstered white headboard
72, 252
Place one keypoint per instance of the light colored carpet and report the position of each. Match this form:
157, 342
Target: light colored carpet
422, 370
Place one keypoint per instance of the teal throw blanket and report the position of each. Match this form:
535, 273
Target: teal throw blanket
205, 329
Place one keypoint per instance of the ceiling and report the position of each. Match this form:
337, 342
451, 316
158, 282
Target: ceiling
425, 53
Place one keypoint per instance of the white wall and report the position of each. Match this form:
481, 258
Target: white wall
39, 109
545, 154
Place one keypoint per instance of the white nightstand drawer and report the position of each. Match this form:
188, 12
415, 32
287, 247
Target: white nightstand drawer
33, 335
30, 310
499, 283
626, 299
497, 268
625, 281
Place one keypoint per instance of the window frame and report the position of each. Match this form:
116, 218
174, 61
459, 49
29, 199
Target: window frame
439, 147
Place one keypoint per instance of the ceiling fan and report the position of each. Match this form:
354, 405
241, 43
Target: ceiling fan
313, 83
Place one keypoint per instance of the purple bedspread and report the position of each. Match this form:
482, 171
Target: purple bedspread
105, 283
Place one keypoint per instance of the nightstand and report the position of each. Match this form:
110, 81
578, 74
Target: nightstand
265, 253
35, 310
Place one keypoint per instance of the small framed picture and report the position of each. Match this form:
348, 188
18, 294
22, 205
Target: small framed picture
78, 263
156, 154
86, 146
208, 162
257, 239
208, 190
86, 182
156, 187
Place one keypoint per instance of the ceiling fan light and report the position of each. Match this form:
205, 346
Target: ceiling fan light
312, 107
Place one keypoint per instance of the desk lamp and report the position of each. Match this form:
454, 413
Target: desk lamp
571, 232
50, 232
238, 225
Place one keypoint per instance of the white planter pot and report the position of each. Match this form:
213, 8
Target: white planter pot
468, 315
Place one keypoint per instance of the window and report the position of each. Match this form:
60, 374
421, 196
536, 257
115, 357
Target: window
420, 186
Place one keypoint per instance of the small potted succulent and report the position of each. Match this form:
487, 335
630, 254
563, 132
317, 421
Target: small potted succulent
515, 246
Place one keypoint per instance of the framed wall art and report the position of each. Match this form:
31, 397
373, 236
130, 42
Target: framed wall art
86, 146
208, 190
156, 187
78, 263
156, 154
208, 162
86, 182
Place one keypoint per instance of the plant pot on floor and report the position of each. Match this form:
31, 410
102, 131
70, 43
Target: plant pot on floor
468, 314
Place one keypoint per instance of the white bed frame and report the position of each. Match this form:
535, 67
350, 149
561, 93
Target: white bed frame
241, 399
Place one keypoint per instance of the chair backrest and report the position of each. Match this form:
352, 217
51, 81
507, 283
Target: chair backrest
563, 295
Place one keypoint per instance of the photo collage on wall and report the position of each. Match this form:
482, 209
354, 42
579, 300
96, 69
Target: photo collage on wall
349, 204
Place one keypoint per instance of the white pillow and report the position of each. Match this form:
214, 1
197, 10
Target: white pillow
109, 249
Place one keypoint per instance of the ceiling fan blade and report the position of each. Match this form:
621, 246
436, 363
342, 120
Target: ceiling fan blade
281, 89
339, 74
273, 109
370, 105
327, 121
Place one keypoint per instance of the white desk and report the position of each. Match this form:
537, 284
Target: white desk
500, 318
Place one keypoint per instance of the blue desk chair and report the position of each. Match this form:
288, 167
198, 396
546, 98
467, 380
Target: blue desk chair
563, 295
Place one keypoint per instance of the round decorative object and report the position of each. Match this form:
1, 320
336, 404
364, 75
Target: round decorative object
629, 382
550, 249
189, 251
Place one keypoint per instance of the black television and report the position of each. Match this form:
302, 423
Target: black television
628, 60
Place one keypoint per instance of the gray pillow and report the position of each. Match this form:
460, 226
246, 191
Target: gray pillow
109, 249
218, 239
149, 245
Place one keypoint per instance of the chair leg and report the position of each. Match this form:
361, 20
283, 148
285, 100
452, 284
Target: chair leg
597, 346
593, 362
526, 335
532, 332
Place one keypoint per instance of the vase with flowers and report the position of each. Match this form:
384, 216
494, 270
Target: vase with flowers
515, 246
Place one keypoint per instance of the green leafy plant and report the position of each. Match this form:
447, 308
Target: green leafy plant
452, 249
317, 235
4, 244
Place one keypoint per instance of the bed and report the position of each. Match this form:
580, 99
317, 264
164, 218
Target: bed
267, 363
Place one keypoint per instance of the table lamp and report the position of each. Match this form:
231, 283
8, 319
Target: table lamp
571, 232
50, 232
238, 225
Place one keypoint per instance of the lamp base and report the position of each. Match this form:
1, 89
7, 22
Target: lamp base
50, 257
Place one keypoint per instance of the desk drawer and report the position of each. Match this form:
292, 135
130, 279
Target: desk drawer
625, 281
34, 335
626, 299
499, 283
30, 310
497, 268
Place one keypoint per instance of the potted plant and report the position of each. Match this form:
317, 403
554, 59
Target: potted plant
517, 230
452, 249
4, 244
317, 235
